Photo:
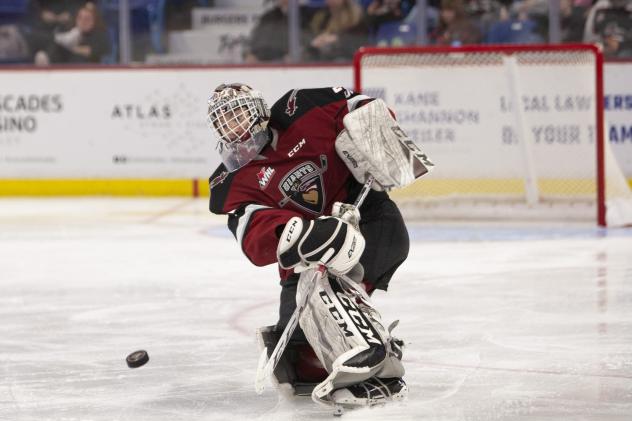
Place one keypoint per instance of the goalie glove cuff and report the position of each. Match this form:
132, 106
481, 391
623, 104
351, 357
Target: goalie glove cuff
327, 240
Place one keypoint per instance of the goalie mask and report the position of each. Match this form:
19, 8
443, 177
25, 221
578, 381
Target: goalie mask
238, 115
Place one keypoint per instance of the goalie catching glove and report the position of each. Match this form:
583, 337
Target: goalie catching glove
374, 143
328, 240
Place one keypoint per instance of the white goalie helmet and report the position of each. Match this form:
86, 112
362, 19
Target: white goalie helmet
238, 115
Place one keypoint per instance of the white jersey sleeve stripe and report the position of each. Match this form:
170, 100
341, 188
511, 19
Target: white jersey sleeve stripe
244, 219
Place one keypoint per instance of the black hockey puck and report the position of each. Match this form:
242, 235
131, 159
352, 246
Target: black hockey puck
137, 359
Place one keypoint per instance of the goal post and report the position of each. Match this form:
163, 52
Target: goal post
515, 131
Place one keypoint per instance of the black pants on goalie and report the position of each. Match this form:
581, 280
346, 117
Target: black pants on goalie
387, 246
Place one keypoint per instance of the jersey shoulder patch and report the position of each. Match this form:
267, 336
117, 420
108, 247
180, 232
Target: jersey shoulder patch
297, 102
219, 186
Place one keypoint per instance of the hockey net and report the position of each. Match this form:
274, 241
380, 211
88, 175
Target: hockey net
514, 131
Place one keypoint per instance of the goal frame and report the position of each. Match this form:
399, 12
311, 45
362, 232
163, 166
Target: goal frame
509, 49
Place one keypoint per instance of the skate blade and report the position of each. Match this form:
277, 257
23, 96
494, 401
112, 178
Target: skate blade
341, 406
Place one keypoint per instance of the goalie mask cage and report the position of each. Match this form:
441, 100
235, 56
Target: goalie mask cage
514, 131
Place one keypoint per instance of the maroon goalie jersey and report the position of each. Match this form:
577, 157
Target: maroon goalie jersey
297, 174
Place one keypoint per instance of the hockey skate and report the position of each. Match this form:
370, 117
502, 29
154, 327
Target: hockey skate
371, 392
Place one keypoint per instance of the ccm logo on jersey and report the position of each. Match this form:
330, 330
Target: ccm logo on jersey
296, 148
264, 176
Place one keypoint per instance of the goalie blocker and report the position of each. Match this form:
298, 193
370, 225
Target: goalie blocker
374, 143
328, 240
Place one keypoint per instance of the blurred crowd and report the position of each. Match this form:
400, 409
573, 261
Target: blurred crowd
75, 31
45, 32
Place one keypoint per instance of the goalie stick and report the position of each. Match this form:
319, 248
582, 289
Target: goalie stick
267, 365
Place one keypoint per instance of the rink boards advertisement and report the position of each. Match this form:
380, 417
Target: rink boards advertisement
123, 124
471, 128
618, 112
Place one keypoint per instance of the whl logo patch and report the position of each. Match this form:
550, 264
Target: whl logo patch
264, 176
303, 186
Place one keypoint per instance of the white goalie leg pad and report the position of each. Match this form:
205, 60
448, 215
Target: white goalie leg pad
374, 143
351, 346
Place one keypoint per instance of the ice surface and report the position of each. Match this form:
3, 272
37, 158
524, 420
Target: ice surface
501, 322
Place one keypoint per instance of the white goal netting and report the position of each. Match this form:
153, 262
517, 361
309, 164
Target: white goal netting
513, 131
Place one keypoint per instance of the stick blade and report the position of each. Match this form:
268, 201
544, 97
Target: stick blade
262, 375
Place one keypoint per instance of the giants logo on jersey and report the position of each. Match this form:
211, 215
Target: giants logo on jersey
303, 186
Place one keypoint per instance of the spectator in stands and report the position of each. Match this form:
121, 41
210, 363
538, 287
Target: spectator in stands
514, 26
383, 11
48, 17
55, 15
485, 13
86, 42
572, 18
615, 43
432, 15
604, 12
385, 22
337, 31
455, 27
269, 38
13, 46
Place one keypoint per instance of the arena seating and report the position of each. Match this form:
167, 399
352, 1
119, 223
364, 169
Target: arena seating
12, 10
147, 16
